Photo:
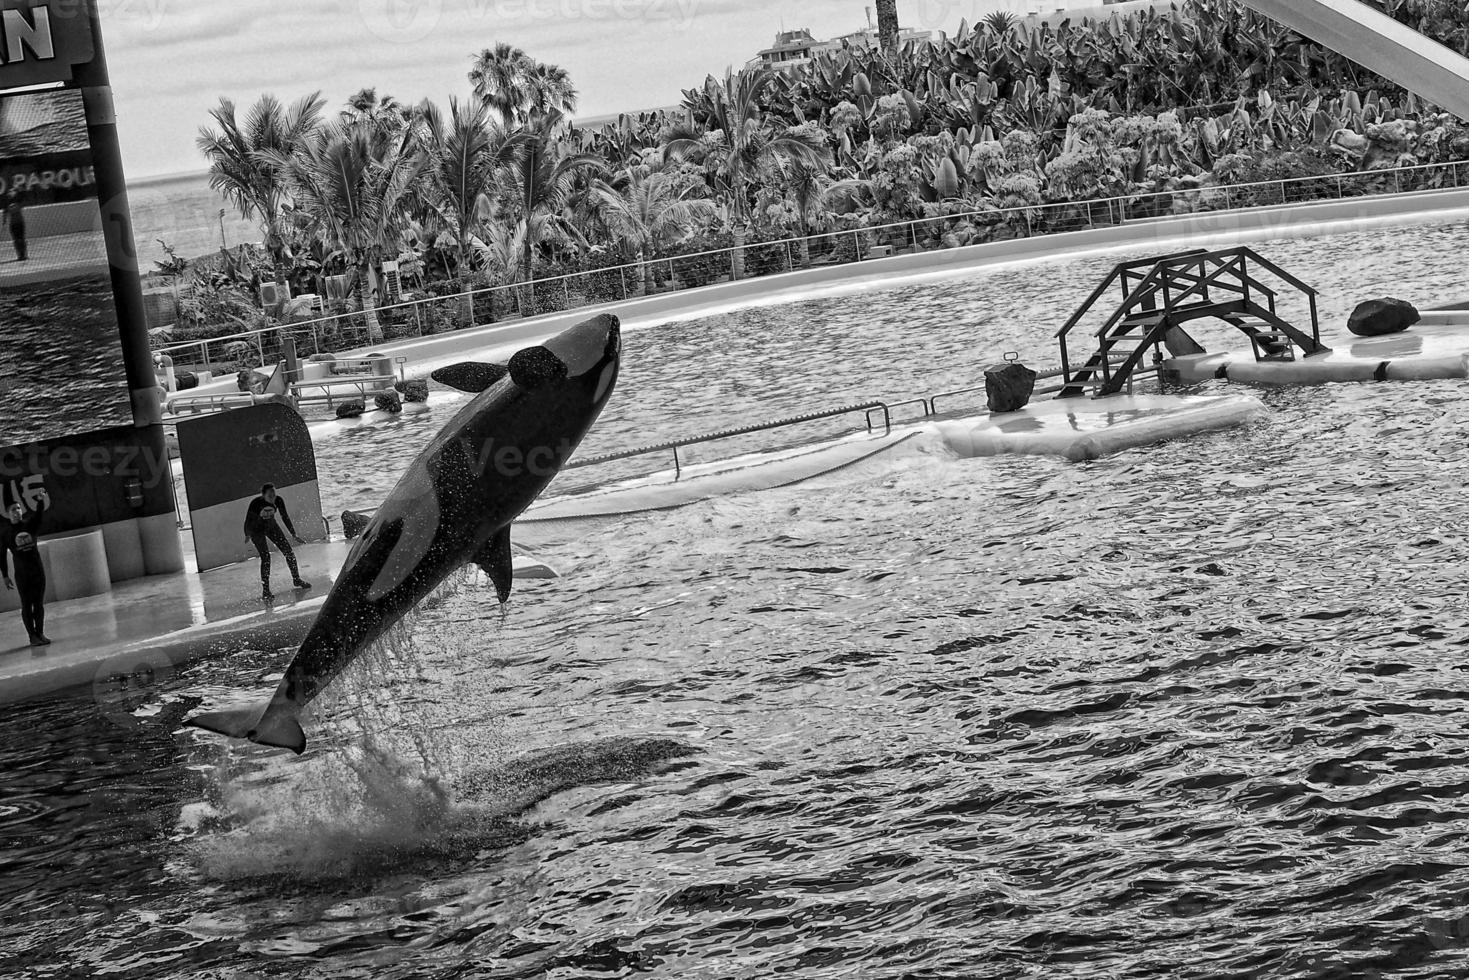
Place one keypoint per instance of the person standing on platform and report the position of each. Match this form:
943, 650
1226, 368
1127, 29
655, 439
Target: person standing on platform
18, 540
260, 528
15, 218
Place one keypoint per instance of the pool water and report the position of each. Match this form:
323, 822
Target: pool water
1195, 710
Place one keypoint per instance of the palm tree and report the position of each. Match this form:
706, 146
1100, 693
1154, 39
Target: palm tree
500, 77
354, 187
241, 165
807, 185
646, 210
468, 157
543, 179
384, 115
500, 248
887, 26
551, 91
520, 88
746, 139
999, 22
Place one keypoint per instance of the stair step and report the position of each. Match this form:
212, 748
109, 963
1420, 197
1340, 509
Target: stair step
1142, 320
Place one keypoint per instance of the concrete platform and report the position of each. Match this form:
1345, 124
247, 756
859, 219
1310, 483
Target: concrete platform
147, 627
1436, 348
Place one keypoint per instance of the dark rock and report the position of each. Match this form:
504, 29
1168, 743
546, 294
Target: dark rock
252, 382
1008, 387
353, 523
350, 410
412, 391
1378, 317
388, 401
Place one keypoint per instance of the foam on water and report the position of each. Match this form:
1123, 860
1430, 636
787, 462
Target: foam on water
365, 812
393, 776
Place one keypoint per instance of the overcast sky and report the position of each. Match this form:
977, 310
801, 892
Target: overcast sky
171, 60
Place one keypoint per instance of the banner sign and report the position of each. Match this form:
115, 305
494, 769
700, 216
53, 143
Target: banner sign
61, 355
92, 479
64, 176
41, 41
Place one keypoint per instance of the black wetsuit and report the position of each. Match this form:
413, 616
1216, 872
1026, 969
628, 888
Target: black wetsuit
16, 218
260, 528
19, 541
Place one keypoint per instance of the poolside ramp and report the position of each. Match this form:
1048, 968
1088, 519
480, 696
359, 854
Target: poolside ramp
1157, 296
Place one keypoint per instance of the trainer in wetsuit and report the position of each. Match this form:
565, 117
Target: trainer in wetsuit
15, 217
260, 527
18, 540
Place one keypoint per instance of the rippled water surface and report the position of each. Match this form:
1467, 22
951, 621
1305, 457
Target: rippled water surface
1195, 710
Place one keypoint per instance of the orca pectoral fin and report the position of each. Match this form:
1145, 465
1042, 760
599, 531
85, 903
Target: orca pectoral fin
495, 559
471, 376
255, 722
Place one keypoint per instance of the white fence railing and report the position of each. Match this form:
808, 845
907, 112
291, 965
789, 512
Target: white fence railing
478, 307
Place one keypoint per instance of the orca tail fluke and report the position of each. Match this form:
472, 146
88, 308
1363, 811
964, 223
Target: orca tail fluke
255, 722
280, 730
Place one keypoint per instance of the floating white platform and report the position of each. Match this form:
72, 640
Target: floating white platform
1087, 428
1434, 349
1073, 428
759, 471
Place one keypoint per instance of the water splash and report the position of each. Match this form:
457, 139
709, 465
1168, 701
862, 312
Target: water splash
396, 776
366, 812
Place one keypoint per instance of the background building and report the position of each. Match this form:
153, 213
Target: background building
795, 49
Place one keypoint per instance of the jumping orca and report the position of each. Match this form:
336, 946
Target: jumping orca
452, 507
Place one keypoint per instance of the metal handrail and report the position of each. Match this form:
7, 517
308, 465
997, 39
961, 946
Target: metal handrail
1120, 269
361, 382
1308, 290
1000, 213
1201, 283
400, 366
1141, 372
1129, 366
676, 444
194, 403
894, 406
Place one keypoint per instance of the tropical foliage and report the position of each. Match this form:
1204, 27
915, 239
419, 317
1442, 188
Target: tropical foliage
992, 133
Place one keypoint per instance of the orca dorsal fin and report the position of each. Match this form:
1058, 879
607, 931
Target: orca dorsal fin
471, 376
495, 559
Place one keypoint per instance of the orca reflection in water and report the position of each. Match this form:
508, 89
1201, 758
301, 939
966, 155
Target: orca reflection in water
453, 506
